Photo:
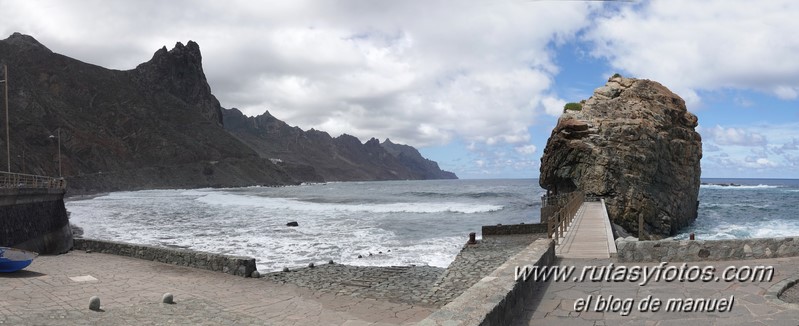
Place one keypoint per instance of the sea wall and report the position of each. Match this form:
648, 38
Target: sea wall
500, 229
34, 219
235, 265
499, 297
476, 261
630, 250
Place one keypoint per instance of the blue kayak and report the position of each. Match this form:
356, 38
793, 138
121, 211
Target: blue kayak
12, 260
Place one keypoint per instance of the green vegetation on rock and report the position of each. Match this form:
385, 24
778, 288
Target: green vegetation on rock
573, 107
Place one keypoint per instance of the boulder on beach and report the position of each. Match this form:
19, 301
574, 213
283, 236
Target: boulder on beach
635, 144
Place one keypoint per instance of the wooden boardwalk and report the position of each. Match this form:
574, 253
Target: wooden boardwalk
589, 235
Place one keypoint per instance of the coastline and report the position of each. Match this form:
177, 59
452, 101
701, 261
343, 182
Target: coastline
426, 286
69, 198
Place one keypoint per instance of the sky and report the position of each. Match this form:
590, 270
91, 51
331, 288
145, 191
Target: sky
476, 85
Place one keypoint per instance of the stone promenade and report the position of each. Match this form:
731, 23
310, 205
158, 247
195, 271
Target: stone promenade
55, 290
752, 305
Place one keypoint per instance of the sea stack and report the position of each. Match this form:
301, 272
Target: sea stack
634, 143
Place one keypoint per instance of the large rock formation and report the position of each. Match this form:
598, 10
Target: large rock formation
634, 143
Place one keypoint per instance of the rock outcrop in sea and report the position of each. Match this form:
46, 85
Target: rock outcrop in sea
635, 144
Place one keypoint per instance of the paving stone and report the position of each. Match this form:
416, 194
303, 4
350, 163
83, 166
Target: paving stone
791, 294
132, 289
750, 308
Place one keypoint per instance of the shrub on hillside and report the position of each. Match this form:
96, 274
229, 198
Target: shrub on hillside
572, 106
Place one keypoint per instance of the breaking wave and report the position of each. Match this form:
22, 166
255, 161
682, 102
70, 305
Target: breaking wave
295, 204
737, 187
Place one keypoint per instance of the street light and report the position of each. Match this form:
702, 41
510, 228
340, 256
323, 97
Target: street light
58, 130
5, 92
23, 161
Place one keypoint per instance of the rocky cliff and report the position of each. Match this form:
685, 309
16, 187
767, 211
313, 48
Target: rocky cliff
155, 126
415, 162
335, 159
634, 143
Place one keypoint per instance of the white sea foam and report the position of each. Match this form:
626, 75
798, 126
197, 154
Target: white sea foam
357, 219
738, 187
779, 229
298, 205
728, 205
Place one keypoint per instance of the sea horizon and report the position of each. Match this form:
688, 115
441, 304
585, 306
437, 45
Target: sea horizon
422, 222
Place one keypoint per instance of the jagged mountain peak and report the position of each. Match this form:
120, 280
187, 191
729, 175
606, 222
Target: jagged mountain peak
179, 71
148, 127
26, 42
184, 55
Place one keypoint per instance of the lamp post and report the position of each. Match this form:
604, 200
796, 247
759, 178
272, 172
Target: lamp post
5, 93
58, 130
23, 161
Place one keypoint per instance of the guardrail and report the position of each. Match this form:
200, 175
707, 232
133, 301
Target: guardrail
18, 180
555, 200
593, 198
560, 220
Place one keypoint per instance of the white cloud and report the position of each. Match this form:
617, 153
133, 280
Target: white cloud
704, 45
786, 92
791, 146
421, 73
708, 147
526, 150
733, 136
553, 106
758, 163
757, 148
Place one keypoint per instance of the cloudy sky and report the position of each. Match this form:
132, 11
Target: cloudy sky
476, 85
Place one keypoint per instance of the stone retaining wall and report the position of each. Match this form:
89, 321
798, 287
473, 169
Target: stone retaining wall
235, 265
500, 229
34, 219
630, 250
476, 261
499, 297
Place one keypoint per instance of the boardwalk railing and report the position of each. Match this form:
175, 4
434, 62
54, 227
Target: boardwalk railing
560, 220
17, 180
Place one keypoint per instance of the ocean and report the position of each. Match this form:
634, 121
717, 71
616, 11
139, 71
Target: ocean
749, 208
386, 223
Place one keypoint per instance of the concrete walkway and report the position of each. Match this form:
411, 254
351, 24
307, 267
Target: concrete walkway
55, 290
589, 235
556, 305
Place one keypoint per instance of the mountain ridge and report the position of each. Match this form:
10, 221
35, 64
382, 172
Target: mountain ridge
155, 126
275, 139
